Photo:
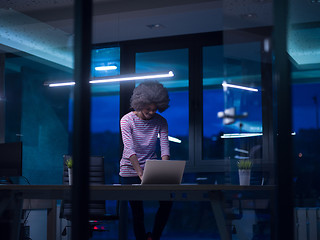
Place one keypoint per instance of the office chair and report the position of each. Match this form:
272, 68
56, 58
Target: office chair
97, 209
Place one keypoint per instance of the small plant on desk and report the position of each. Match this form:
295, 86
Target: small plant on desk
69, 166
69, 163
244, 166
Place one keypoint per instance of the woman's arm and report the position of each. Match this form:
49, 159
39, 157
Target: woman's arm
128, 151
135, 163
164, 141
126, 132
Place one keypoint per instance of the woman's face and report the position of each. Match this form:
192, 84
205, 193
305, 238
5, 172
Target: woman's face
149, 111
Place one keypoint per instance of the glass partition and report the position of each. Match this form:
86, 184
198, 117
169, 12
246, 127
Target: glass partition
36, 50
234, 121
232, 106
303, 47
241, 85
232, 110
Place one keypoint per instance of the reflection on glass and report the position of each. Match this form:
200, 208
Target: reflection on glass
105, 62
304, 53
177, 114
105, 57
232, 112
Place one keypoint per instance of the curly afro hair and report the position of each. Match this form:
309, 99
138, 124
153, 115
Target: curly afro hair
151, 92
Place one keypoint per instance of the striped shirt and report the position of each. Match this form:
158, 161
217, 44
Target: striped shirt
140, 137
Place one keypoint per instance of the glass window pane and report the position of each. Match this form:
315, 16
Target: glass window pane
177, 114
213, 102
105, 106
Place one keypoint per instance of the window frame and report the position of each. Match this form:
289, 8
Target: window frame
195, 44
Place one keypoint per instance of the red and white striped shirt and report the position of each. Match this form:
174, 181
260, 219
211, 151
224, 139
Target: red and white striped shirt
140, 137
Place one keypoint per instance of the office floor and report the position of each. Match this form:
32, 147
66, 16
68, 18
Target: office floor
198, 224
254, 225
164, 238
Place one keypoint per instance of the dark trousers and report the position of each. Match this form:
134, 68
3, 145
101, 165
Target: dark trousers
161, 218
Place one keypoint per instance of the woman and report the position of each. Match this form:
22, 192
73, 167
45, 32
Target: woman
140, 129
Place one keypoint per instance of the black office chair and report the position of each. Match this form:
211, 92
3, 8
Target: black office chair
97, 209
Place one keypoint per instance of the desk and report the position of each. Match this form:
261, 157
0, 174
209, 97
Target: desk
213, 193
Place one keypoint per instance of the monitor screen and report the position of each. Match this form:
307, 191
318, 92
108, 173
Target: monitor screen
11, 159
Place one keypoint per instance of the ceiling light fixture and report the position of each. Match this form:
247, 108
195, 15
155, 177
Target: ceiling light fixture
119, 78
225, 85
105, 68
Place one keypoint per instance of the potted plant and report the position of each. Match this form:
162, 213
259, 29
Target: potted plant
244, 169
69, 166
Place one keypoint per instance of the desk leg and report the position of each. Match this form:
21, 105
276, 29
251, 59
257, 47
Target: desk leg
5, 199
217, 201
123, 220
52, 221
18, 202
10, 215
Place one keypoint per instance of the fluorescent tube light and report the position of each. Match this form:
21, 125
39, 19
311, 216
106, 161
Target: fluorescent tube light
240, 135
241, 150
172, 139
119, 78
224, 84
105, 68
240, 157
133, 77
61, 84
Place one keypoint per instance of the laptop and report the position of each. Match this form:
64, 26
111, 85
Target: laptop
163, 172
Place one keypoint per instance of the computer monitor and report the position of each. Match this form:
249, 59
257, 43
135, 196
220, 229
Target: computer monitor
10, 160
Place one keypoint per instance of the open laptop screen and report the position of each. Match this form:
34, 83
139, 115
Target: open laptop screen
163, 172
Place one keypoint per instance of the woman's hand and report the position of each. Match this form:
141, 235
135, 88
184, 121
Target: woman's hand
136, 165
165, 157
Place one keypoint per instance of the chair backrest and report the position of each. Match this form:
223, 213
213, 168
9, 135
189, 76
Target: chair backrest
97, 209
96, 170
